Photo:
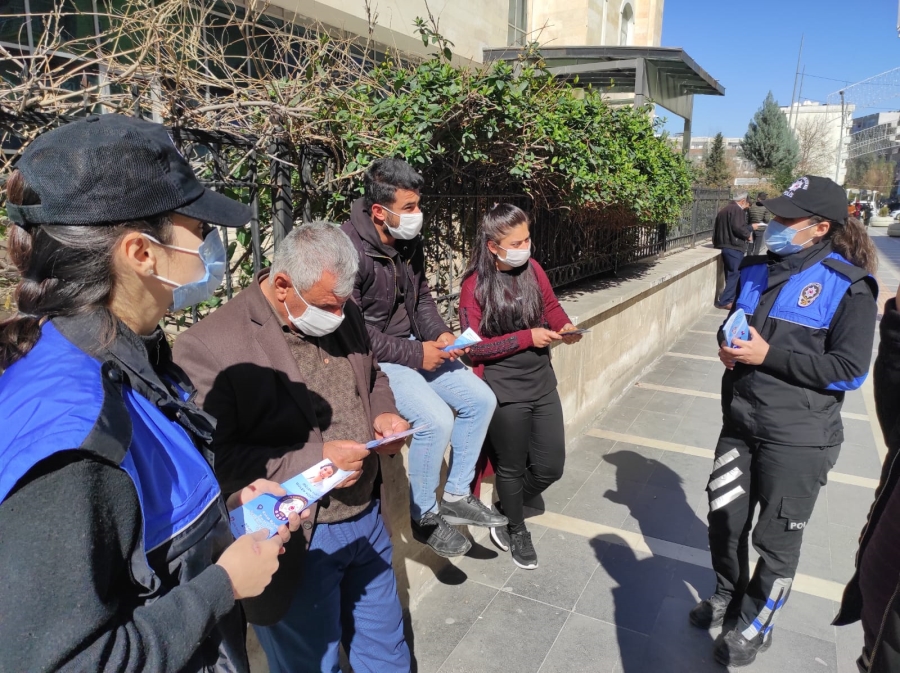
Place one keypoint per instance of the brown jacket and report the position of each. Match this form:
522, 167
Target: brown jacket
247, 378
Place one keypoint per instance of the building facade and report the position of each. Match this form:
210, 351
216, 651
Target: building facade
823, 132
472, 25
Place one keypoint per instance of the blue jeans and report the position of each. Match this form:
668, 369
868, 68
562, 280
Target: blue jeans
348, 595
731, 261
430, 397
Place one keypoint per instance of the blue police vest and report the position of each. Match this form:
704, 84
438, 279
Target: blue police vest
51, 401
809, 299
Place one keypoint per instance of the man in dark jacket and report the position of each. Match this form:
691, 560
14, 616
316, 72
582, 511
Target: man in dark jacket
730, 235
408, 336
872, 594
759, 217
288, 370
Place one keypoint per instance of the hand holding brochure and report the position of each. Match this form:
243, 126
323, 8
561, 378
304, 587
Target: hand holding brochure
464, 340
375, 443
271, 511
736, 327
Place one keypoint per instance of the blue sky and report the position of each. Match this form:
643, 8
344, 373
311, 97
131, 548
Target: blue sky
752, 47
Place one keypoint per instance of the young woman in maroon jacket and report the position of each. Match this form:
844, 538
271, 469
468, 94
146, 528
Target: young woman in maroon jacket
507, 300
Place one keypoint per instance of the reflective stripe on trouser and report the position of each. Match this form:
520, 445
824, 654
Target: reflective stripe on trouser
784, 481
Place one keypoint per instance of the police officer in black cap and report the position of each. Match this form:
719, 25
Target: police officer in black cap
115, 535
810, 303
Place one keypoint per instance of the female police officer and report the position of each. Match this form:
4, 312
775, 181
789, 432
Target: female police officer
115, 539
811, 308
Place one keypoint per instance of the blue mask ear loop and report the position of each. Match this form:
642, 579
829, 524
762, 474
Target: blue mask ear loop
163, 279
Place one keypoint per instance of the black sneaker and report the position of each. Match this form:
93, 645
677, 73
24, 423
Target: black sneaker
522, 549
433, 530
500, 534
732, 649
470, 511
710, 613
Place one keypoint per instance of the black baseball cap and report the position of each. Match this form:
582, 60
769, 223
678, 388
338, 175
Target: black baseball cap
112, 168
811, 195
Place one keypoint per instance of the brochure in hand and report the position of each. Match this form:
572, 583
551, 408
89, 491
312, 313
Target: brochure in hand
736, 327
464, 340
270, 511
375, 443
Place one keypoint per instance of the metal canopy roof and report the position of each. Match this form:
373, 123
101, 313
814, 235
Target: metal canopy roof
615, 69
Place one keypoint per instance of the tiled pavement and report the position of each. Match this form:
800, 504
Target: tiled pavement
623, 549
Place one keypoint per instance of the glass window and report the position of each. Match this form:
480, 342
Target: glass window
12, 22
517, 22
626, 25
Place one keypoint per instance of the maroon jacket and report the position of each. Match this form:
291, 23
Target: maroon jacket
496, 348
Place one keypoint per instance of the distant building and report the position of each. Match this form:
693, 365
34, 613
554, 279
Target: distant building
877, 134
741, 168
819, 129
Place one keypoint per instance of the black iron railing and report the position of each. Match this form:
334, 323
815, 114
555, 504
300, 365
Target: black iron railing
570, 245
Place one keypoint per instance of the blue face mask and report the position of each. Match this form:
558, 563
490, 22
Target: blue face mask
212, 253
780, 238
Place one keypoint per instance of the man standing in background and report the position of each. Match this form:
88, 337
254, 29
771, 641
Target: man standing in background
731, 232
759, 218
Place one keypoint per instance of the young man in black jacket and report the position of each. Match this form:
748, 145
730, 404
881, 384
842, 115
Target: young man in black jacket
408, 337
731, 233
872, 594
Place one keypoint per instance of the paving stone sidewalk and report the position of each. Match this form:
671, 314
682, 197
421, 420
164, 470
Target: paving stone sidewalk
622, 544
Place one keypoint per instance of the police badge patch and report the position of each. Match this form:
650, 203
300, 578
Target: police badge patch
809, 294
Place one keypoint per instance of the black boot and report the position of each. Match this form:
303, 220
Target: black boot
710, 613
732, 649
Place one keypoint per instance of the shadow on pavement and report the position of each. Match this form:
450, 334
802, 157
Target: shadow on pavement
653, 594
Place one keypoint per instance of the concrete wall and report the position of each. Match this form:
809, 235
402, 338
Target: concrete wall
633, 320
595, 22
473, 25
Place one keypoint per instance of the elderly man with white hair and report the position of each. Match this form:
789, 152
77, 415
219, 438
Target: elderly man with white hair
731, 233
287, 369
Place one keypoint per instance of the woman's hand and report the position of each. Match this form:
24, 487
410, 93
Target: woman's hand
250, 562
751, 352
572, 338
259, 487
542, 338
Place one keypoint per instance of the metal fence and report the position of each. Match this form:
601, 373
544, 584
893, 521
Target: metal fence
570, 245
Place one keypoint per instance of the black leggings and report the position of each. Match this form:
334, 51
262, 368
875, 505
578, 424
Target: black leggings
528, 448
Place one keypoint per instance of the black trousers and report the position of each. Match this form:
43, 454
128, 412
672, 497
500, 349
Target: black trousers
527, 442
784, 481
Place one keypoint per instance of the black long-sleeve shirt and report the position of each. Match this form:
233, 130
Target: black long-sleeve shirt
68, 602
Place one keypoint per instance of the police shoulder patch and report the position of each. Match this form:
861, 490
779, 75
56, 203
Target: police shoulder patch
809, 294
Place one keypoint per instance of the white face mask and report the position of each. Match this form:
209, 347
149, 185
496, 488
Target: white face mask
515, 258
314, 321
409, 227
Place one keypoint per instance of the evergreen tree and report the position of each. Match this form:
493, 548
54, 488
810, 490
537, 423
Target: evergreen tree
715, 168
770, 144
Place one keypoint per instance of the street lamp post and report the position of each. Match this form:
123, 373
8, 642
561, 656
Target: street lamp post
837, 170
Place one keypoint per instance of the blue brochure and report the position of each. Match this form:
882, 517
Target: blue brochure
464, 340
736, 327
270, 511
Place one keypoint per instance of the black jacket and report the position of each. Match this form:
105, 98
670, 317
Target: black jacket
81, 593
731, 229
885, 654
383, 273
785, 400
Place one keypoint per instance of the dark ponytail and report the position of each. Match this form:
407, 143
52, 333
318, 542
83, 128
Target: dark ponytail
853, 242
503, 311
64, 270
